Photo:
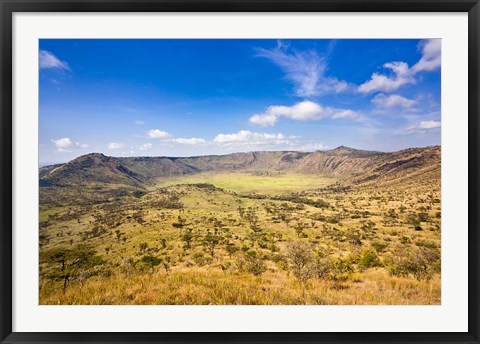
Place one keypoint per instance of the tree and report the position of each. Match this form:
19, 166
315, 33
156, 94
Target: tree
210, 241
187, 238
300, 258
231, 249
118, 234
68, 263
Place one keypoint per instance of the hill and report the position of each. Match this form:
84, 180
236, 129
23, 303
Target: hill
343, 162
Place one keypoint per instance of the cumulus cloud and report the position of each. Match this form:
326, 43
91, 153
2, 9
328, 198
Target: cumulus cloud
190, 141
431, 56
305, 69
303, 111
247, 137
394, 101
402, 74
65, 145
47, 60
158, 134
145, 146
422, 127
115, 145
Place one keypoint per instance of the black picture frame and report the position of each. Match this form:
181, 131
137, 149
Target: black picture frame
9, 7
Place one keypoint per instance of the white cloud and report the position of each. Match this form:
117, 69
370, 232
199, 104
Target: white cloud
431, 56
422, 127
379, 82
429, 125
310, 147
139, 122
303, 111
402, 73
145, 146
246, 137
305, 69
65, 145
115, 145
394, 101
48, 60
343, 114
191, 141
158, 134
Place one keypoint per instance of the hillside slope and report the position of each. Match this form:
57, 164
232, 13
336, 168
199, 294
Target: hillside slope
344, 163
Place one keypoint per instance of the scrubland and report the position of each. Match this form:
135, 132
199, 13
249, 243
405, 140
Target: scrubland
262, 237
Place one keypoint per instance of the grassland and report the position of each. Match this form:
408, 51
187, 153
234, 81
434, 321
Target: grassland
258, 237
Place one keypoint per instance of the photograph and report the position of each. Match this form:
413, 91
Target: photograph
239, 171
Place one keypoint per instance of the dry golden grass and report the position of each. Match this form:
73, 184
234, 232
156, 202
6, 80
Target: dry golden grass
210, 286
146, 220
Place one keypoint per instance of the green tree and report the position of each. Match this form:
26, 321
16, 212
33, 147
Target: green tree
209, 242
68, 263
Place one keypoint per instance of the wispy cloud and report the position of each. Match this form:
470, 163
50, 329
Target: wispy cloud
305, 69
190, 141
421, 127
65, 145
115, 145
402, 74
383, 101
145, 146
247, 137
138, 122
303, 111
310, 147
47, 60
158, 134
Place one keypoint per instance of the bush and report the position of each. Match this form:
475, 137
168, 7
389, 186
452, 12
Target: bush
369, 259
150, 262
379, 246
251, 263
423, 263
333, 269
301, 258
200, 259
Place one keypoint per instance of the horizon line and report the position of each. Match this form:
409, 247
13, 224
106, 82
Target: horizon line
46, 164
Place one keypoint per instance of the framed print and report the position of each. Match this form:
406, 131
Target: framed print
239, 171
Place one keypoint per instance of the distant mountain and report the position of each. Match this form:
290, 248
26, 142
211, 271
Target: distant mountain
342, 162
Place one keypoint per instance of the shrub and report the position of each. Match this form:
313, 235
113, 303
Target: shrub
301, 258
150, 262
379, 246
251, 263
423, 263
369, 259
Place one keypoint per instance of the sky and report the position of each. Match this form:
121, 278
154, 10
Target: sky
183, 97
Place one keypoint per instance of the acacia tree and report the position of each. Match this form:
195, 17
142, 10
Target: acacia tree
68, 263
210, 241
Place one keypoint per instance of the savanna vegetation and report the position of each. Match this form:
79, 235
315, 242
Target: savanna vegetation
244, 237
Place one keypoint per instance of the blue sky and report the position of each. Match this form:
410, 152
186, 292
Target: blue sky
197, 97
